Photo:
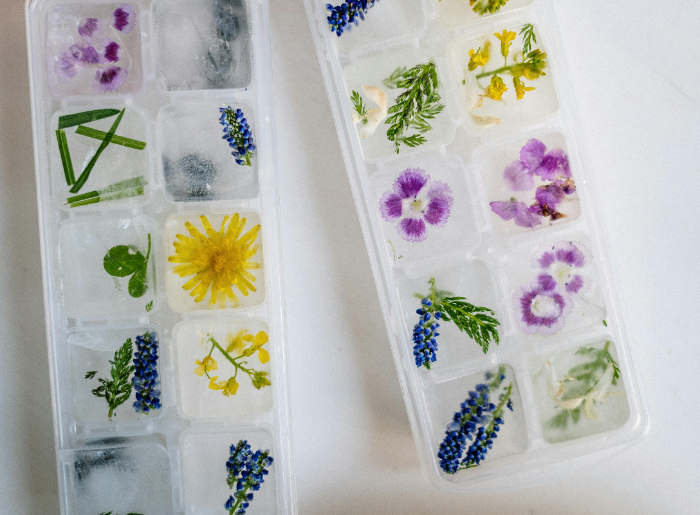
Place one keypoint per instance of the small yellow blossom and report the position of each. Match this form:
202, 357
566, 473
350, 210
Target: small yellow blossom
506, 39
496, 89
478, 58
260, 339
230, 387
213, 385
520, 88
236, 343
206, 365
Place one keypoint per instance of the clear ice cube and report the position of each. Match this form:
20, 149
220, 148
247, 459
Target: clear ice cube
197, 161
88, 290
203, 44
122, 476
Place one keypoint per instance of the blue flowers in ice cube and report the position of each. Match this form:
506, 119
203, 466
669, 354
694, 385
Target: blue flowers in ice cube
350, 11
239, 135
145, 378
246, 470
479, 420
424, 334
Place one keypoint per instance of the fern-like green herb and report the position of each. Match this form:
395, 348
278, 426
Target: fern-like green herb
415, 106
117, 390
359, 104
478, 322
528, 34
483, 7
392, 82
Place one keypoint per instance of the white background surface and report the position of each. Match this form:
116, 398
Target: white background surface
635, 65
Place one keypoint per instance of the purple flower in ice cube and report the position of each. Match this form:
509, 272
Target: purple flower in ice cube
109, 51
109, 78
519, 176
559, 264
517, 211
541, 307
84, 54
415, 200
66, 66
91, 30
553, 193
532, 154
124, 18
548, 165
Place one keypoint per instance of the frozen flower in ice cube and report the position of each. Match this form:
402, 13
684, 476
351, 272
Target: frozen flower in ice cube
124, 18
519, 212
239, 135
541, 307
206, 365
559, 263
496, 89
109, 78
518, 176
91, 30
415, 200
109, 51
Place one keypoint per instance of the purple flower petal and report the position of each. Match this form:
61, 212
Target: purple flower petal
555, 165
110, 51
410, 182
440, 204
547, 282
412, 229
518, 176
518, 211
85, 54
546, 259
124, 18
532, 153
391, 206
541, 311
550, 194
506, 210
66, 66
568, 253
91, 30
109, 78
576, 284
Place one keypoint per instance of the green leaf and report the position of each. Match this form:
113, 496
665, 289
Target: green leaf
359, 105
80, 182
118, 389
117, 140
90, 374
137, 283
149, 306
528, 34
71, 120
392, 82
120, 261
65, 157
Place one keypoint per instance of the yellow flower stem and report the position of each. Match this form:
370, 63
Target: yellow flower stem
238, 366
495, 72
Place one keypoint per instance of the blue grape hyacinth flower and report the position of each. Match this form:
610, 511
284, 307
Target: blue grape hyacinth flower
425, 334
145, 378
239, 135
246, 470
349, 12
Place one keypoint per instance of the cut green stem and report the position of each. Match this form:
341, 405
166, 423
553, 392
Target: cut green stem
122, 189
86, 173
65, 157
71, 120
117, 140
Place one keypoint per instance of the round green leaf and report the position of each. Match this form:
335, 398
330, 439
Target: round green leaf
120, 261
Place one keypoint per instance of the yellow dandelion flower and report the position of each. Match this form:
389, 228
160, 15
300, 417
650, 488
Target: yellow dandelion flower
206, 365
220, 260
496, 89
506, 39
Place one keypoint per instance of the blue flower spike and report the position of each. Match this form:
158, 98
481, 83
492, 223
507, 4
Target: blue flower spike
349, 13
478, 422
246, 471
425, 334
239, 135
145, 378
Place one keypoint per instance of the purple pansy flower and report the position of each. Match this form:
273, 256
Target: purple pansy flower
559, 263
124, 18
415, 200
109, 78
542, 308
517, 211
91, 30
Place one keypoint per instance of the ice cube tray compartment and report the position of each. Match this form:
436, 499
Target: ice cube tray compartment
177, 181
497, 206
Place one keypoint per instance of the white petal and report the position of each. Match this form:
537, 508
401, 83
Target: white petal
570, 404
485, 121
377, 96
591, 411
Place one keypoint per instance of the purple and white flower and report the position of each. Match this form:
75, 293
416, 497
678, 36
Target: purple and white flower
96, 51
542, 307
520, 175
415, 201
559, 266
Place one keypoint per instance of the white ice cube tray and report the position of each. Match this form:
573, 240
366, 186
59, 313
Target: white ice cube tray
477, 254
173, 459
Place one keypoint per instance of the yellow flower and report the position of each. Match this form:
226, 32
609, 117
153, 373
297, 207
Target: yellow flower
206, 365
496, 89
219, 260
260, 339
478, 58
213, 385
236, 343
520, 88
230, 387
506, 39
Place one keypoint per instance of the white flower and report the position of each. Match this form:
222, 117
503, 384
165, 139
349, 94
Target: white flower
374, 116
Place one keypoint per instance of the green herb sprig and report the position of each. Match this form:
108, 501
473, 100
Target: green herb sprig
479, 323
415, 106
110, 513
392, 82
528, 34
359, 105
117, 389
122, 261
